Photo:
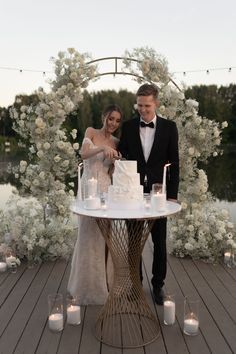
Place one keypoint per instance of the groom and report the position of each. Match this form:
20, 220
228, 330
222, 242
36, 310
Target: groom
153, 142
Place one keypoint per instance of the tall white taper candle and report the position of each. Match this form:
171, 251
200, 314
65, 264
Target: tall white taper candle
164, 178
79, 193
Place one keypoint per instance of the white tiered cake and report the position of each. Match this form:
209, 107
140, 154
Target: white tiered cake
125, 191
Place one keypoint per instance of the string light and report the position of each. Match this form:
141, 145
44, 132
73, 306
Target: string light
44, 72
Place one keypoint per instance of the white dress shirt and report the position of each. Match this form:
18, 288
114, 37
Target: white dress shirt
147, 137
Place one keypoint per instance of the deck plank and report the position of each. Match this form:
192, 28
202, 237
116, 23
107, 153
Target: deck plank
190, 287
18, 322
38, 320
224, 322
24, 311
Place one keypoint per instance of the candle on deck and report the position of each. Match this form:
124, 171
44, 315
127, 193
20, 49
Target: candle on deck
73, 315
55, 322
227, 257
3, 267
169, 312
164, 178
191, 326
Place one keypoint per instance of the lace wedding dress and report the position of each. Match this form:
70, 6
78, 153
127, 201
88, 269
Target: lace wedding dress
90, 272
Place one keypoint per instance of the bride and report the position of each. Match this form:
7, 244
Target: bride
89, 276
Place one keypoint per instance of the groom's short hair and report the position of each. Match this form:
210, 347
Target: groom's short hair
147, 90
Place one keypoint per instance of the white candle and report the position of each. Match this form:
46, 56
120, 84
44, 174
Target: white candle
191, 326
92, 203
164, 178
227, 256
158, 201
10, 260
55, 322
92, 187
169, 312
3, 267
73, 315
79, 193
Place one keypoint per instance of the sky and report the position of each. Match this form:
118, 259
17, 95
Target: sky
192, 36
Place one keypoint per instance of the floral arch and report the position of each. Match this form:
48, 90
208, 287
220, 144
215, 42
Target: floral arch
42, 228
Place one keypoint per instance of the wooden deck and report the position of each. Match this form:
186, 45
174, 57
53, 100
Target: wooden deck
23, 311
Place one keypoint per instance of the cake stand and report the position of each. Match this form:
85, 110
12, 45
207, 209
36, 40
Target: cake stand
126, 320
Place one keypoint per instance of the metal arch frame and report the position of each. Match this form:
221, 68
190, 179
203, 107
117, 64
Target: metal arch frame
116, 72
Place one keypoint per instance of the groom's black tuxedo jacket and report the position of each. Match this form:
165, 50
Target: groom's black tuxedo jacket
164, 150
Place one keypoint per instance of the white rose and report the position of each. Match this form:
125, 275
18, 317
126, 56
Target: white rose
42, 175
224, 124
36, 182
60, 145
191, 151
46, 146
57, 158
73, 75
40, 154
65, 163
39, 122
75, 146
23, 108
162, 109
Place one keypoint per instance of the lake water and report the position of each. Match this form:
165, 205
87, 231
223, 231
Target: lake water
221, 172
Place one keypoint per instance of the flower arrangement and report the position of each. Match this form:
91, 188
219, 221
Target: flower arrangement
52, 163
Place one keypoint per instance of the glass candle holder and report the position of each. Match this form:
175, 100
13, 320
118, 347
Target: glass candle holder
73, 311
147, 203
158, 198
55, 312
91, 197
228, 257
191, 316
169, 309
11, 260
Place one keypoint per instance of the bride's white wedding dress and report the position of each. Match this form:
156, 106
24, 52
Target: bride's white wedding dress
90, 275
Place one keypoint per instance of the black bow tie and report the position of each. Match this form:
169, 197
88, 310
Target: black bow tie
144, 125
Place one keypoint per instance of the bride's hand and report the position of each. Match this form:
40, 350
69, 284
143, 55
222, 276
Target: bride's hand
110, 153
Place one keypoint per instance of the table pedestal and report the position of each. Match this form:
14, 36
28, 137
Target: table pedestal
126, 320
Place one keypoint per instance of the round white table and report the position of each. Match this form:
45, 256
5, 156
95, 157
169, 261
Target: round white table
126, 320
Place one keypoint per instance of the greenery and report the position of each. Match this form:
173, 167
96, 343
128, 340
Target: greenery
216, 103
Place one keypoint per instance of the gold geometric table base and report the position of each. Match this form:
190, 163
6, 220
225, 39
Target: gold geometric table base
126, 320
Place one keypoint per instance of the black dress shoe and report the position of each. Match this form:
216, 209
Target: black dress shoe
158, 295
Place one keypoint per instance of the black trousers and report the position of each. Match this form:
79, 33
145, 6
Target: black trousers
159, 264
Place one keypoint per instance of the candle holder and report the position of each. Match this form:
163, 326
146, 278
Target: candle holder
91, 197
229, 258
191, 316
3, 265
55, 312
147, 203
11, 260
73, 311
158, 198
169, 309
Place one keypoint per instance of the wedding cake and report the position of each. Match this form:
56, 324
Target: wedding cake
125, 191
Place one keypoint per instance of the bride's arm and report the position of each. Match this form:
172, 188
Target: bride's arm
86, 151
